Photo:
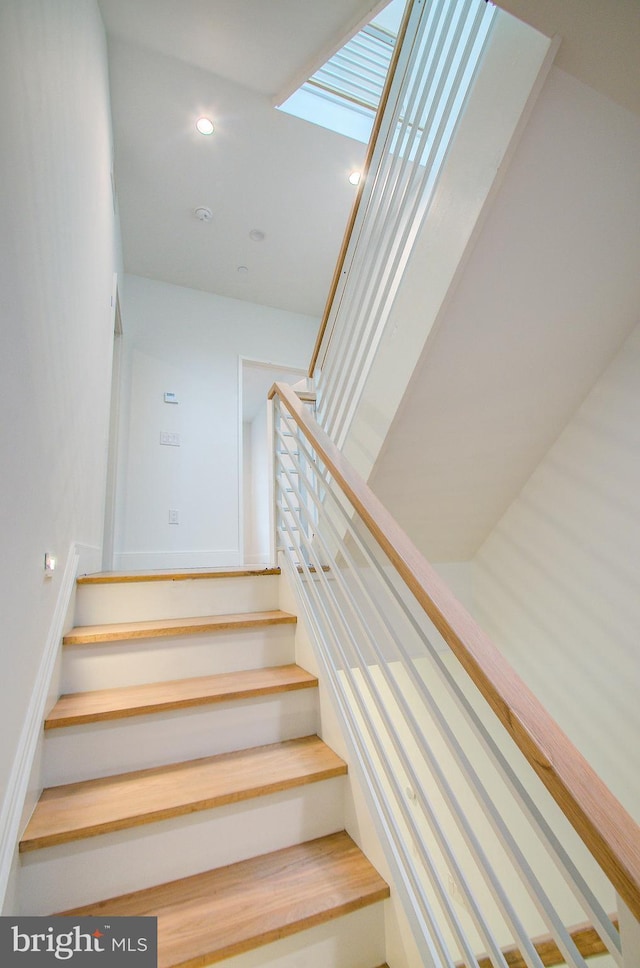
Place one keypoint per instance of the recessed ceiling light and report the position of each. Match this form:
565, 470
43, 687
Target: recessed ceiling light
257, 235
355, 177
203, 213
204, 125
242, 270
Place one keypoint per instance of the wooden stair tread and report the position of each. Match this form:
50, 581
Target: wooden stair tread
91, 807
184, 574
584, 936
221, 913
84, 634
105, 704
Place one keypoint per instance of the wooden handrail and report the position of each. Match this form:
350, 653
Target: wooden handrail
375, 131
609, 832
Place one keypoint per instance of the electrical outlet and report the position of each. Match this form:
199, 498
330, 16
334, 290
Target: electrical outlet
171, 440
174, 516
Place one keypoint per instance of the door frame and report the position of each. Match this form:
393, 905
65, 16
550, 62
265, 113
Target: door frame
274, 368
108, 535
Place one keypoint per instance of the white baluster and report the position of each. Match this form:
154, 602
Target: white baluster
629, 936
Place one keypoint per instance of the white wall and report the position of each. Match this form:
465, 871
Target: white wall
189, 342
56, 276
557, 583
546, 298
599, 42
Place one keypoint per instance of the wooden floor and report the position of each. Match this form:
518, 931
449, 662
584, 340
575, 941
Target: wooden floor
106, 704
120, 631
185, 574
584, 936
79, 810
221, 913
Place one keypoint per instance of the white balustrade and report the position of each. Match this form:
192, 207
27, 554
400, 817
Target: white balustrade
438, 60
483, 857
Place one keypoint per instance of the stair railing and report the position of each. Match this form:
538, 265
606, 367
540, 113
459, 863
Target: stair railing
439, 47
495, 826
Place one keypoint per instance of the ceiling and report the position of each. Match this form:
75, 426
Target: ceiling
599, 41
261, 169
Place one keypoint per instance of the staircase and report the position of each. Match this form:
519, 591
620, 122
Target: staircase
185, 779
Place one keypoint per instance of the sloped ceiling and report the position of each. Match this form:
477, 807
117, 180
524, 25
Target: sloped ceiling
549, 292
259, 44
171, 63
599, 41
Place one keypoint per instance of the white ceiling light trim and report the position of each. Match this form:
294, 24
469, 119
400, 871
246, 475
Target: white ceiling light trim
205, 126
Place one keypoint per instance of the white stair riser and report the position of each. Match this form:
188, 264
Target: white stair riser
138, 601
119, 746
128, 663
68, 875
354, 940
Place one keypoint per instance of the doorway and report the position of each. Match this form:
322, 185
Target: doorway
108, 539
256, 488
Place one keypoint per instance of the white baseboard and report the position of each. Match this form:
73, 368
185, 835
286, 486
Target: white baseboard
13, 805
142, 560
258, 559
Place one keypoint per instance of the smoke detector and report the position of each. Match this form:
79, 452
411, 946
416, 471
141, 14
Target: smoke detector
203, 214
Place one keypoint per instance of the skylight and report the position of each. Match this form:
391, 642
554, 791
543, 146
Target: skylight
343, 95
